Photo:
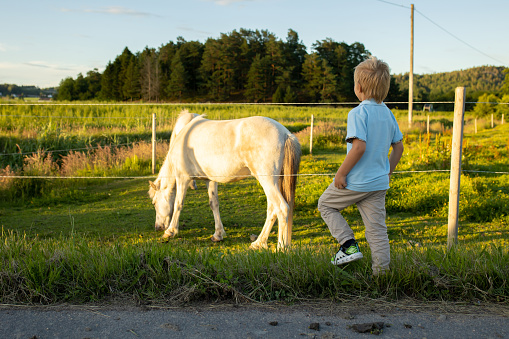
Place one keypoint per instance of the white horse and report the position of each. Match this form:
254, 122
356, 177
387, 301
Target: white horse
226, 151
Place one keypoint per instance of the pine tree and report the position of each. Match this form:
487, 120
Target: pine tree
108, 81
328, 79
290, 95
81, 88
505, 86
294, 55
257, 79
311, 74
131, 89
94, 83
274, 57
279, 95
177, 83
149, 75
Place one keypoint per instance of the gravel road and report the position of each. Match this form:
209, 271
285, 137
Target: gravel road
314, 320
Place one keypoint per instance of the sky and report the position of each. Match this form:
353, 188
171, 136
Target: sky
43, 42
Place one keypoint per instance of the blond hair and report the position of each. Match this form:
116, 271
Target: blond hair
374, 77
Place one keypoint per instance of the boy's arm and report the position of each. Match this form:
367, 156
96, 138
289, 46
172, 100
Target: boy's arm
397, 152
355, 154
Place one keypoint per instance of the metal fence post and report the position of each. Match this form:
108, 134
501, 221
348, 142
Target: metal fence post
454, 190
154, 143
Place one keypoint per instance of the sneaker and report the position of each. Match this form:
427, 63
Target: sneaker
346, 255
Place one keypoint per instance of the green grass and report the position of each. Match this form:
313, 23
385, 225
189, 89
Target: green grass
66, 240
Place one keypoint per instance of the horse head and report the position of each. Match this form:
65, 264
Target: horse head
163, 199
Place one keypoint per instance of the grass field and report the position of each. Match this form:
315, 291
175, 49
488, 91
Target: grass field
78, 240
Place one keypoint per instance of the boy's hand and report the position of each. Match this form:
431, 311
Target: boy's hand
340, 181
352, 157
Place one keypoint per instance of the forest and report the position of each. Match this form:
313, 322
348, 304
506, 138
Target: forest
256, 66
241, 66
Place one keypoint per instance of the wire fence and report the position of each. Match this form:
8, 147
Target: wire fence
241, 103
88, 148
226, 176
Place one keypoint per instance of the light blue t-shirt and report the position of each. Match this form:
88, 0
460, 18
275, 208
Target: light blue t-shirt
376, 125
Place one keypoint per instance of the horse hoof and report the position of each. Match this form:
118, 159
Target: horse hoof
214, 239
257, 246
168, 235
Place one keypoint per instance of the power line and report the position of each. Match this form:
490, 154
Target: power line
392, 3
445, 30
457, 38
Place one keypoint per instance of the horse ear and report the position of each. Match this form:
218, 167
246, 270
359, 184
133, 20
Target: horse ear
153, 185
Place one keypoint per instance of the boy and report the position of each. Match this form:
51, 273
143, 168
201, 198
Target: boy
363, 177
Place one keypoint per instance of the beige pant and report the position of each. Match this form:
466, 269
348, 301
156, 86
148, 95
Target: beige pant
371, 205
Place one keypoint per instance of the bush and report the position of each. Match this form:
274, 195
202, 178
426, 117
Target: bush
484, 107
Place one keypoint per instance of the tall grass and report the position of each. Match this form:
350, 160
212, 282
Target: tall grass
79, 269
110, 250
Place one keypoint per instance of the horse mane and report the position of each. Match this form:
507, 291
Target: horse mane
182, 120
167, 168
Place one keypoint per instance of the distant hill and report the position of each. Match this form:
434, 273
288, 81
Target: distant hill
440, 86
25, 91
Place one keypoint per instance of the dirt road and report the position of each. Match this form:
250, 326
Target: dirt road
315, 320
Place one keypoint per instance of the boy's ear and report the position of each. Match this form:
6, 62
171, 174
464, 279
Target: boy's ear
358, 87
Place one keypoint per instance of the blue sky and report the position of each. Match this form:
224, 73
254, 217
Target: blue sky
43, 42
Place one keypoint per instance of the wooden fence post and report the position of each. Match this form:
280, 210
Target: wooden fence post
454, 190
475, 125
311, 136
502, 122
427, 126
492, 120
154, 143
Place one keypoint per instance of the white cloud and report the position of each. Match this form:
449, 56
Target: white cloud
190, 29
114, 10
6, 65
227, 2
7, 48
43, 64
39, 73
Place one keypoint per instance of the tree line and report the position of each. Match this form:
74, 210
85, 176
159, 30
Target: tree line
241, 66
436, 87
12, 90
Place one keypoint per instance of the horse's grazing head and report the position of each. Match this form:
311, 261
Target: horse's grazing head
163, 200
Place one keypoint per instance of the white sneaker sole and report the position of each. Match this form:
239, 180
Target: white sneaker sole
347, 259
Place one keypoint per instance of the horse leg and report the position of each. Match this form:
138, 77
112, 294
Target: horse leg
173, 228
261, 241
214, 206
280, 208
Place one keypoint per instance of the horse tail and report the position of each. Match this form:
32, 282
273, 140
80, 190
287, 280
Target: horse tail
288, 179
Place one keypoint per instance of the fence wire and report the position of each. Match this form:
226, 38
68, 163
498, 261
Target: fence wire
225, 176
190, 104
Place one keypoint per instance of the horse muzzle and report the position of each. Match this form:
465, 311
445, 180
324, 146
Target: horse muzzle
161, 226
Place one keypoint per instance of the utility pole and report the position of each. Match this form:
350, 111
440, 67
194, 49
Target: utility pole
411, 74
